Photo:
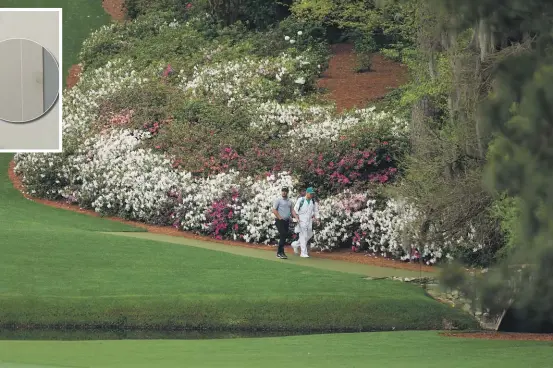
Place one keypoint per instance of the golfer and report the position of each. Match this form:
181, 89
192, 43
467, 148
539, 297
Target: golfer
306, 211
283, 211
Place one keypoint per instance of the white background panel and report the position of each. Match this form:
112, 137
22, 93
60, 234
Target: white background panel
43, 28
10, 80
31, 80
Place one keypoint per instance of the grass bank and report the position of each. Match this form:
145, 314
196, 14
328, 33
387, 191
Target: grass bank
393, 350
60, 269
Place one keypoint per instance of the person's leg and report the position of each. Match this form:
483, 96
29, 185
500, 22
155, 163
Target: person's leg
279, 228
282, 237
303, 243
295, 245
296, 242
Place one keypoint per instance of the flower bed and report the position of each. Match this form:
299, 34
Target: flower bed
215, 166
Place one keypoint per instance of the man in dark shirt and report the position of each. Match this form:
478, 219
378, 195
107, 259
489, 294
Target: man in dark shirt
282, 209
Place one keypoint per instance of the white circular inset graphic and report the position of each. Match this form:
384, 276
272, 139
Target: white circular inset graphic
29, 76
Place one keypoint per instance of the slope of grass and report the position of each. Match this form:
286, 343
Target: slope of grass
391, 350
80, 18
58, 269
20, 214
63, 277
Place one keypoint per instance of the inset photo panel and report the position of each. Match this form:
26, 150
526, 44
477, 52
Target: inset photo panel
30, 80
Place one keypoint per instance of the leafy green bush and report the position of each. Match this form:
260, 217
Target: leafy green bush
507, 211
153, 101
153, 34
136, 8
391, 53
364, 46
200, 130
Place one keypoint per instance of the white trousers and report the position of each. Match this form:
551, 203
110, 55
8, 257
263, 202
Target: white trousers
304, 235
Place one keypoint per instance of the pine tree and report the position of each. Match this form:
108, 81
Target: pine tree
520, 158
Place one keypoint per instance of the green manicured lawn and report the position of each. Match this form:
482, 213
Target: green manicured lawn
387, 349
59, 268
80, 18
20, 214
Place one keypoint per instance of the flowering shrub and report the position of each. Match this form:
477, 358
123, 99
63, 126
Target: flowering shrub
384, 229
194, 197
276, 119
80, 105
332, 128
110, 187
249, 80
208, 149
255, 213
44, 175
337, 223
222, 218
334, 171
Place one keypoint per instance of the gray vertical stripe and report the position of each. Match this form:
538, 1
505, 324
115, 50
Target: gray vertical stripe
50, 79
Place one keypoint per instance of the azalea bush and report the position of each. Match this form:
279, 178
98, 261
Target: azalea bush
385, 228
222, 219
334, 128
200, 129
113, 175
332, 171
249, 80
135, 40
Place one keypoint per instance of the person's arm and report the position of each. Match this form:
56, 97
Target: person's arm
296, 209
275, 209
294, 213
316, 211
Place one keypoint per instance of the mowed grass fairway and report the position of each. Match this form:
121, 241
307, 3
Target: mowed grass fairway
383, 349
59, 269
80, 18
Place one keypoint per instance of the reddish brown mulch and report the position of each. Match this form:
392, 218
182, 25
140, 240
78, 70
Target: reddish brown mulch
74, 75
500, 336
350, 89
343, 255
115, 8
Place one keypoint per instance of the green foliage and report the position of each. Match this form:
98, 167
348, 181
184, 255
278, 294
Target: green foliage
364, 46
518, 112
507, 211
136, 8
313, 9
139, 40
423, 85
393, 22
201, 129
312, 39
257, 14
153, 101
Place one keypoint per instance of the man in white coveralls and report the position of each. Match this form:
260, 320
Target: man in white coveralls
307, 210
